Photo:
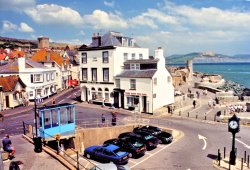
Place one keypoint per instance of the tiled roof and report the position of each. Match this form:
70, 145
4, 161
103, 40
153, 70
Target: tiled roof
18, 54
2, 56
142, 61
49, 56
137, 73
9, 83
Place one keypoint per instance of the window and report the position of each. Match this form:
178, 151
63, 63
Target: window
38, 93
94, 74
117, 83
31, 93
105, 56
132, 100
106, 94
132, 84
36, 78
48, 78
140, 56
52, 76
134, 66
99, 94
125, 56
133, 56
14, 97
53, 64
105, 74
84, 58
93, 93
155, 81
84, 74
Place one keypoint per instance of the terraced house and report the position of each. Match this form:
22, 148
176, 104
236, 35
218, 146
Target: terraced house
115, 70
39, 80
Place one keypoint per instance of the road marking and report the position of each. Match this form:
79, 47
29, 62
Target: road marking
61, 100
132, 161
204, 139
247, 146
148, 153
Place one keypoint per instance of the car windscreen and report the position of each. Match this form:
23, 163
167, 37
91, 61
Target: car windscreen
137, 144
118, 152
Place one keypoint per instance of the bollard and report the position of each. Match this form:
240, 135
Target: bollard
245, 156
224, 152
196, 116
205, 117
179, 113
188, 114
241, 163
214, 117
248, 161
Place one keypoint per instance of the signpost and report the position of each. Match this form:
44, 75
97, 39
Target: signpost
233, 127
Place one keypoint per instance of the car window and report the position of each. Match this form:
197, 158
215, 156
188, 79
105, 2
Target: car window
148, 137
99, 150
107, 152
137, 144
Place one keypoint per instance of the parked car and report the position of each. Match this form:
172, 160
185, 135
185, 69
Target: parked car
164, 137
131, 145
111, 166
148, 139
107, 152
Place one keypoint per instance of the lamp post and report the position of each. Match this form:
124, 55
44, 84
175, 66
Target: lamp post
233, 127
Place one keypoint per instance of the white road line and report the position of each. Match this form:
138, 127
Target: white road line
148, 153
61, 100
132, 161
160, 146
155, 153
247, 146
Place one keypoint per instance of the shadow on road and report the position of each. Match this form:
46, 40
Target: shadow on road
212, 156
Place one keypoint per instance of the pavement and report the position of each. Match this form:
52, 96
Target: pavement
30, 160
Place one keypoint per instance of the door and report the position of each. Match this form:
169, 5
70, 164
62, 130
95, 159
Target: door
122, 99
7, 101
86, 94
144, 104
116, 99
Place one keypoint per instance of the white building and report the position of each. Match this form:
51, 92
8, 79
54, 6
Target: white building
146, 84
104, 59
39, 80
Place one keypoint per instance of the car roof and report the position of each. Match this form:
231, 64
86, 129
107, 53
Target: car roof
110, 147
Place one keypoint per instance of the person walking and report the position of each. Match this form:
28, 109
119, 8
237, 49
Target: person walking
113, 118
7, 146
194, 103
103, 120
53, 101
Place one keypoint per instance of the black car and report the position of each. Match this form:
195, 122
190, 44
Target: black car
148, 139
131, 145
164, 137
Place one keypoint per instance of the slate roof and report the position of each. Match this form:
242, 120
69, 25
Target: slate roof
9, 83
141, 61
137, 73
12, 67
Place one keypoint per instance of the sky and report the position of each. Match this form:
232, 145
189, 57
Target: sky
178, 26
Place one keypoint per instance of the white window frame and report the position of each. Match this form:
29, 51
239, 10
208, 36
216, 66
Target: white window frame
106, 74
133, 56
133, 84
134, 66
37, 78
117, 83
105, 57
84, 58
125, 56
140, 56
52, 75
48, 76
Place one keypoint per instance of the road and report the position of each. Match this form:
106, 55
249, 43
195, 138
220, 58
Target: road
189, 152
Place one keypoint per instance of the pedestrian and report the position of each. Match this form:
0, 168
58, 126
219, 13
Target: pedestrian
103, 120
7, 146
198, 94
194, 103
113, 118
53, 101
14, 166
103, 100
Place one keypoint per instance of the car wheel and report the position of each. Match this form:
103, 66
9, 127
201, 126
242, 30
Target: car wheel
88, 156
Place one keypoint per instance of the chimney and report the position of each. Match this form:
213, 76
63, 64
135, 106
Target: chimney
159, 55
48, 56
99, 40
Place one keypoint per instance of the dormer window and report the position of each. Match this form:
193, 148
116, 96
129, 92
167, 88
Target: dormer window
134, 66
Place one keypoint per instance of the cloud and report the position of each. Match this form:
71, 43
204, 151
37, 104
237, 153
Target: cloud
25, 27
101, 19
16, 5
109, 4
54, 14
82, 32
8, 26
141, 20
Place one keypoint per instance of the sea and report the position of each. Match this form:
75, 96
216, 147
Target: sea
236, 72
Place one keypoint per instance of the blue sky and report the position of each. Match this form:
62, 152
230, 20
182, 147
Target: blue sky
179, 26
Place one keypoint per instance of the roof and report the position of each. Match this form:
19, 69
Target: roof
142, 61
12, 67
9, 83
2, 56
111, 147
137, 73
49, 56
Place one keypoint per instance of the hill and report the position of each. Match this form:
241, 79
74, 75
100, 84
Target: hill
207, 57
